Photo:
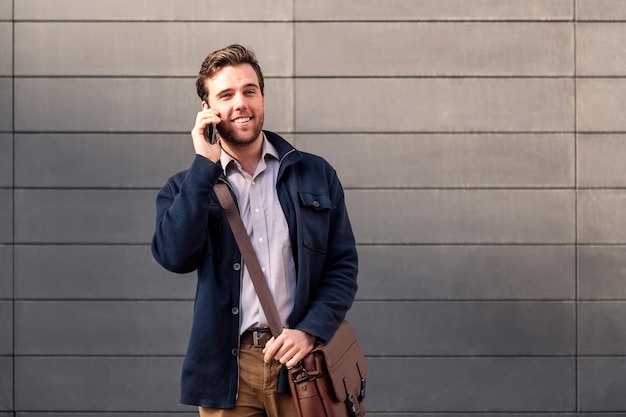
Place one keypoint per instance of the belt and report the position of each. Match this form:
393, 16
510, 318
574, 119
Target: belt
256, 337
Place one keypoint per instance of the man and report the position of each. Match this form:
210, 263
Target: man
292, 205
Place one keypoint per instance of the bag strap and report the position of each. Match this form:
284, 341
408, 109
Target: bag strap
249, 256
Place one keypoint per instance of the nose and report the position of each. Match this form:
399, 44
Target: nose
240, 102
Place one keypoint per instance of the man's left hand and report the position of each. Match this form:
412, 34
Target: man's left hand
289, 347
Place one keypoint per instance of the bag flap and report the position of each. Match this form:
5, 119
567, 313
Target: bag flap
345, 361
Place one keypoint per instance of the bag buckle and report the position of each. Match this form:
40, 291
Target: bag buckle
353, 408
363, 384
301, 375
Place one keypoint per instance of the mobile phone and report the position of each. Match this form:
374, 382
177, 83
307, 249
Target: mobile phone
210, 132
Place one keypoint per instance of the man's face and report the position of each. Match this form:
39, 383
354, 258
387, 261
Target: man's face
235, 95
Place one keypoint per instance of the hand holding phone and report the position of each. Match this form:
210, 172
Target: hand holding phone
204, 134
210, 132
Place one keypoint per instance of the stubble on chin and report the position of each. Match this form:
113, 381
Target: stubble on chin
245, 140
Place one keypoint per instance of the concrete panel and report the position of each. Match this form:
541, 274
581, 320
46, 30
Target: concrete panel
102, 328
600, 49
600, 218
441, 49
6, 9
84, 216
98, 384
208, 10
158, 48
96, 272
466, 272
127, 104
6, 47
6, 385
600, 104
434, 10
6, 160
434, 105
600, 10
601, 160
6, 328
602, 330
471, 384
6, 272
432, 160
602, 272
458, 216
6, 104
6, 216
465, 328
601, 382
105, 160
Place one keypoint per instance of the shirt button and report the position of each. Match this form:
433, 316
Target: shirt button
235, 311
253, 182
260, 239
237, 267
256, 210
263, 269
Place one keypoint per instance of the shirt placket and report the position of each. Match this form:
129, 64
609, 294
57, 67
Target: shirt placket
260, 233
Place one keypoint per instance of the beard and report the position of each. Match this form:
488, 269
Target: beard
238, 138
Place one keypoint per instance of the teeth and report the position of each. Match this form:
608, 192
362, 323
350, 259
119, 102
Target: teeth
242, 120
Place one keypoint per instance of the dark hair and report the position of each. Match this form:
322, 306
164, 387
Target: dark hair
232, 55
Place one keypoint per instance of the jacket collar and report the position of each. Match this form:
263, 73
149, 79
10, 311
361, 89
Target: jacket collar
288, 155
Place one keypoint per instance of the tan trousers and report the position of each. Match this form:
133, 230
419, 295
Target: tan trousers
258, 396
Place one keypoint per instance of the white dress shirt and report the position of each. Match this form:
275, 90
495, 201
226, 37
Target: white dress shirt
267, 228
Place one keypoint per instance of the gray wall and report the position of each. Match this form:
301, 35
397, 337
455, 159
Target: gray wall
480, 142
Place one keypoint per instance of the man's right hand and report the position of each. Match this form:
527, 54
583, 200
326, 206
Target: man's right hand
201, 145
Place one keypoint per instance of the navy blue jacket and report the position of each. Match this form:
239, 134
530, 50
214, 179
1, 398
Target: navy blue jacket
192, 233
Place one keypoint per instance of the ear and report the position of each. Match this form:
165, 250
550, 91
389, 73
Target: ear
205, 105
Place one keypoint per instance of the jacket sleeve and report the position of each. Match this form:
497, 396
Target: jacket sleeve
182, 206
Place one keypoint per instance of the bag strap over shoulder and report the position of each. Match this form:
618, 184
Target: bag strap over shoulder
249, 256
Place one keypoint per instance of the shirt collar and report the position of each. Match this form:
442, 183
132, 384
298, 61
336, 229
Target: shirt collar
267, 150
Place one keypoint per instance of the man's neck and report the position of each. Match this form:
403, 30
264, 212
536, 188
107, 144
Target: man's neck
248, 156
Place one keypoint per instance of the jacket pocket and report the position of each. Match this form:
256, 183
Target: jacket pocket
316, 211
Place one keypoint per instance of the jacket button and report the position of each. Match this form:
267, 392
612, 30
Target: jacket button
234, 352
235, 311
316, 204
237, 266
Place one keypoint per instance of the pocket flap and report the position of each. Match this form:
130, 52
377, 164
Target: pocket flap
316, 201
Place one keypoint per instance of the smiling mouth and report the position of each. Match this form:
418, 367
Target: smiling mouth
242, 119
